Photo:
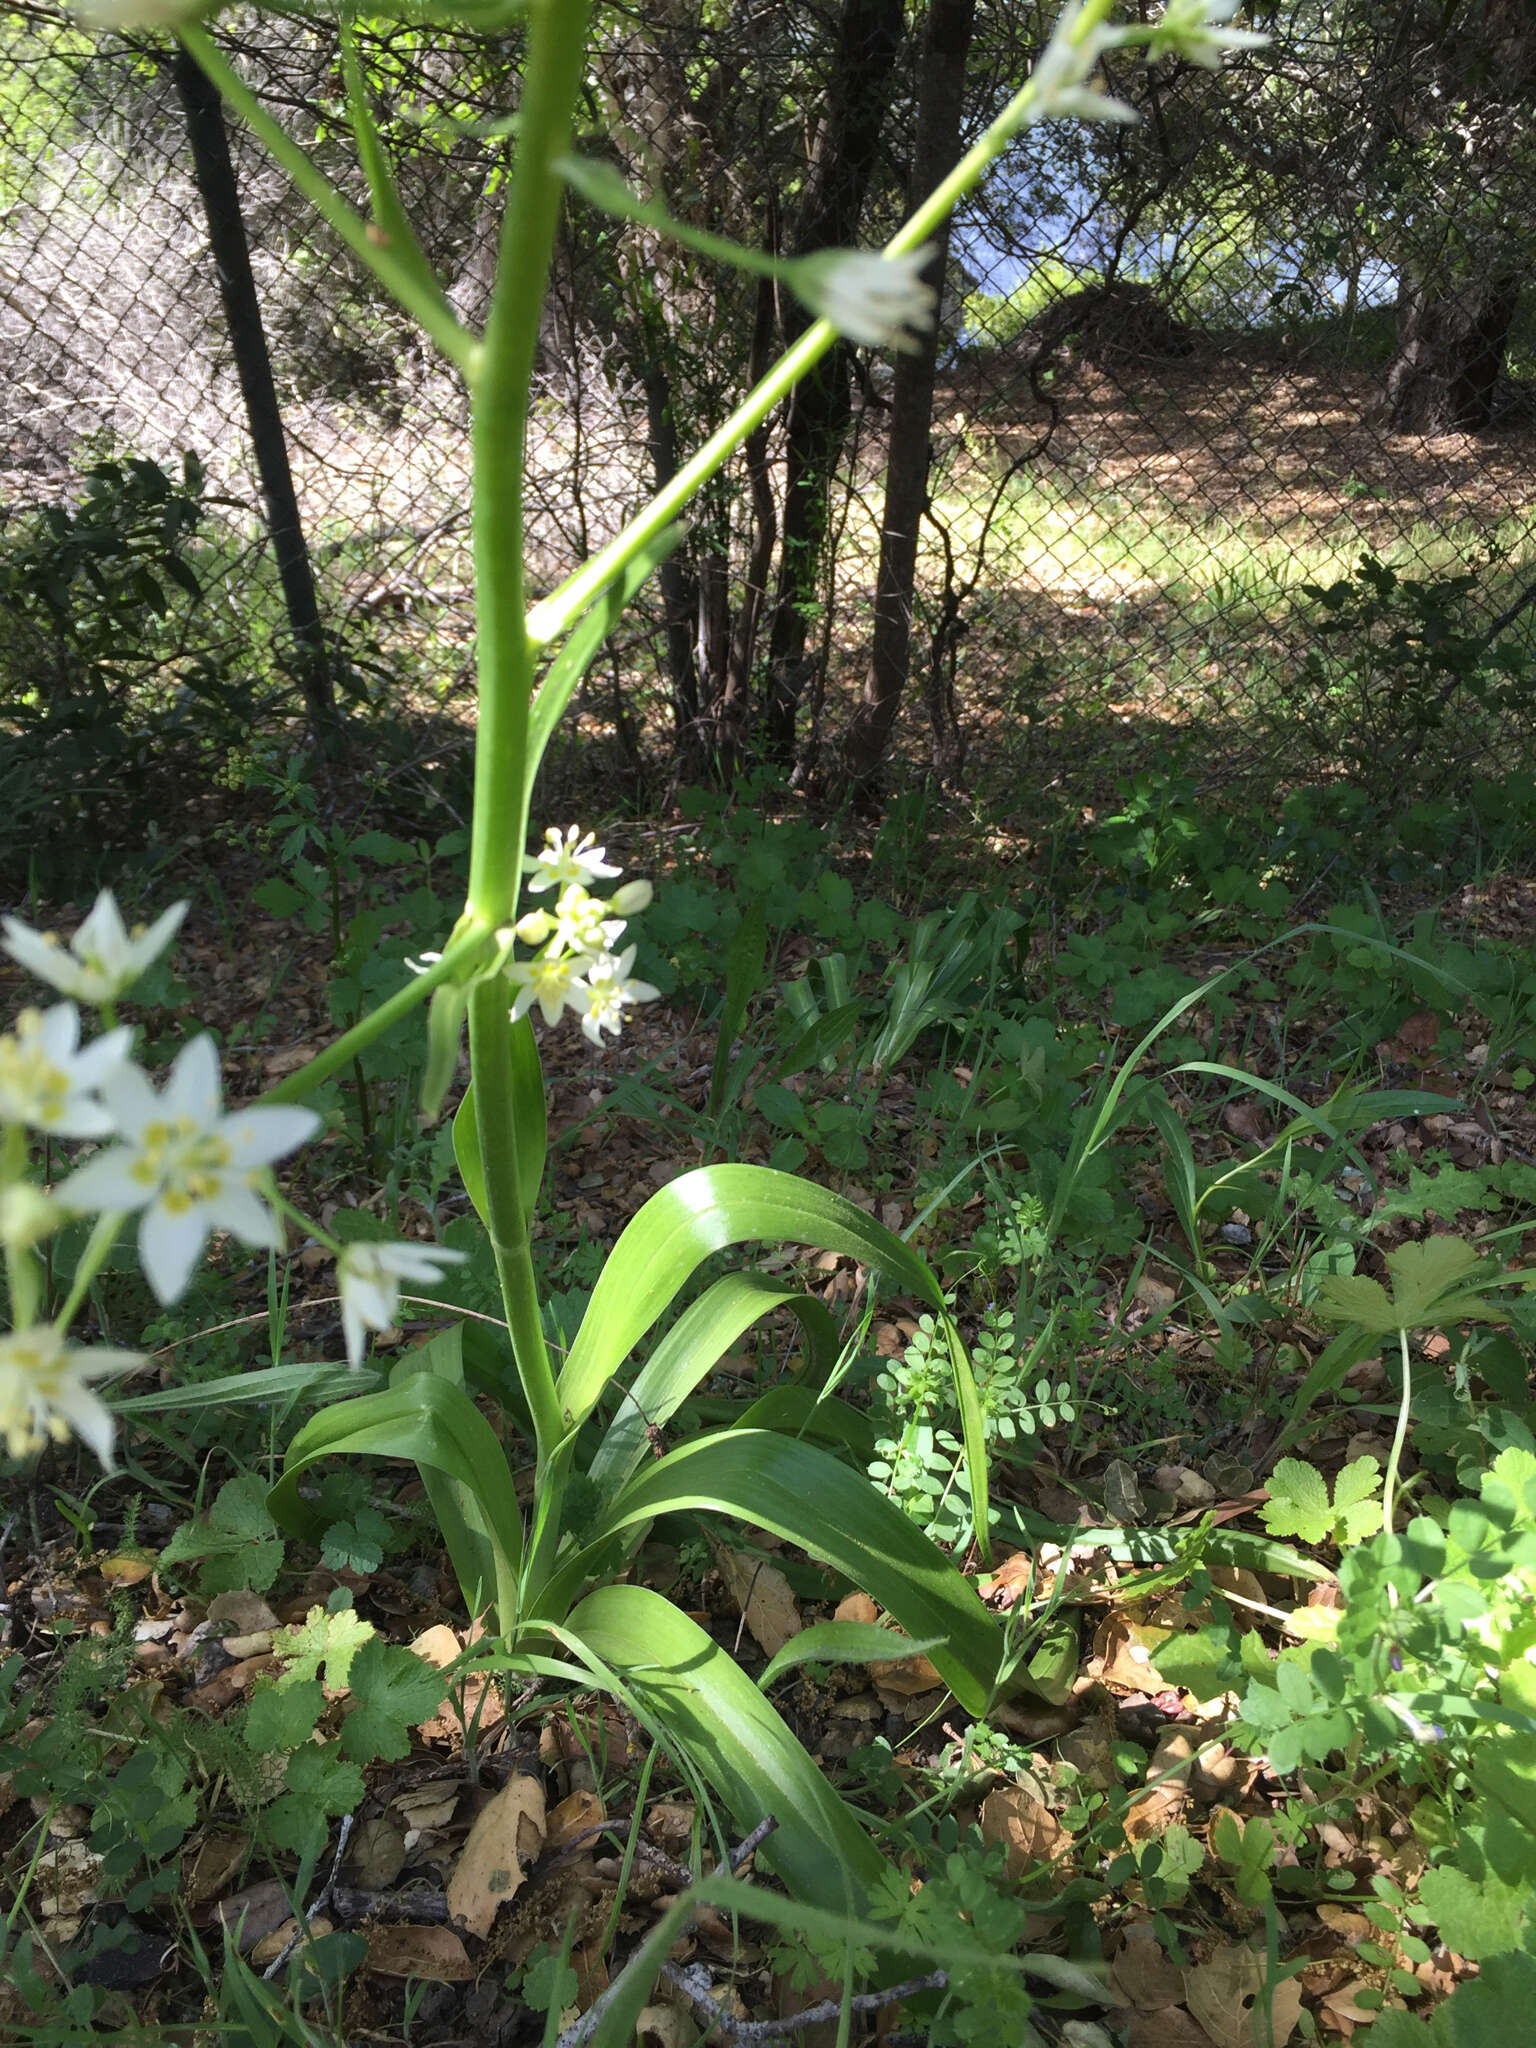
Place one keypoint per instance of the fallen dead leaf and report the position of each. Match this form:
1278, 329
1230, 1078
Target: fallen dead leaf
216, 1861
1126, 1648
434, 1953
253, 1913
1029, 1831
573, 1817
376, 1853
663, 2026
763, 1595
1142, 1971
1223, 1991
1169, 2027
504, 1840
856, 1607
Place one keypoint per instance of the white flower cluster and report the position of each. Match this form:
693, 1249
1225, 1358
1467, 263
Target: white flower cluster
576, 965
173, 1157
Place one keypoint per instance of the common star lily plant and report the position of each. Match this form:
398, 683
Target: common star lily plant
177, 1167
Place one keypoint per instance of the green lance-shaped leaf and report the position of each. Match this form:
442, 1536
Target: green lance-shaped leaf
703, 1212
807, 1497
842, 1642
391, 229
431, 1422
696, 1697
692, 1348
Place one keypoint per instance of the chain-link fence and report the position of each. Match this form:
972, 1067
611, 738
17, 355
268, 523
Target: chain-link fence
1188, 371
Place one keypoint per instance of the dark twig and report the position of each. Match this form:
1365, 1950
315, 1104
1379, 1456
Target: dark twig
582, 2030
322, 1899
692, 1979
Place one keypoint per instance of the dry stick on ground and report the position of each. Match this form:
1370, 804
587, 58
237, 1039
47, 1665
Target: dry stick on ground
322, 1898
692, 1979
582, 2030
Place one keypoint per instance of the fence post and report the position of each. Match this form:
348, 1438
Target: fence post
231, 252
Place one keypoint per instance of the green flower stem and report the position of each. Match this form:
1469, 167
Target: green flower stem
563, 606
552, 75
1394, 1459
21, 1271
470, 940
490, 1055
394, 269
104, 1234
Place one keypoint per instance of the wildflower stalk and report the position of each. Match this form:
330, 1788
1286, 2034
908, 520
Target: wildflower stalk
506, 1220
557, 39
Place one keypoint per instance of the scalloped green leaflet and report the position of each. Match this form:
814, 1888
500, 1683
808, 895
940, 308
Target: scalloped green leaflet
807, 1497
694, 1345
703, 1212
702, 1702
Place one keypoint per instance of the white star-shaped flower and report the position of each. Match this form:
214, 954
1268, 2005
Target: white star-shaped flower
607, 992
1196, 31
567, 857
49, 1084
190, 1168
102, 959
369, 1276
1058, 87
45, 1392
553, 981
877, 301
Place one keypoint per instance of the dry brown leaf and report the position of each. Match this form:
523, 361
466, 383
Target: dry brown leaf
572, 1817
216, 1861
1029, 1831
424, 1807
1246, 1119
376, 1853
1143, 1972
253, 1913
762, 1593
1169, 2027
504, 1840
1126, 1648
242, 1613
663, 2026
1223, 1991
856, 1607
434, 1953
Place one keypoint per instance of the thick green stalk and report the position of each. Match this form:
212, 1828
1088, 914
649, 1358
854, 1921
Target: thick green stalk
490, 1058
556, 58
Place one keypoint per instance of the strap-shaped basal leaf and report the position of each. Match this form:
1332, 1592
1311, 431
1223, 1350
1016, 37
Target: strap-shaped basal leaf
433, 1424
703, 1212
807, 1497
698, 1698
693, 1347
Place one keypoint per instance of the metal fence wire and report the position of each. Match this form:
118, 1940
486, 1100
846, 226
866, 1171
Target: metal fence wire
1188, 371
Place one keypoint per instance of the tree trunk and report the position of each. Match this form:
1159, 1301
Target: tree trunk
941, 95
848, 144
1451, 340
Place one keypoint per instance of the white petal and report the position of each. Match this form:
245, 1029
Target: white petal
103, 936
102, 1055
258, 1136
194, 1089
170, 1244
353, 1333
106, 1183
240, 1209
49, 962
129, 1094
373, 1302
161, 932
90, 1418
